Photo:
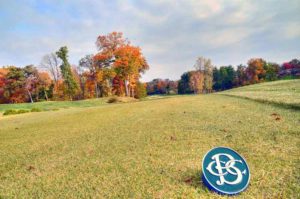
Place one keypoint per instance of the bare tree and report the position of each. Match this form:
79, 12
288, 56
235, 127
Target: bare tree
204, 65
51, 63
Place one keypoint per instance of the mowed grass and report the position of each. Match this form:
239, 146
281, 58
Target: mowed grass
53, 105
283, 93
147, 149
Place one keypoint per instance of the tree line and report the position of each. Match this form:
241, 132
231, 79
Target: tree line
207, 78
114, 70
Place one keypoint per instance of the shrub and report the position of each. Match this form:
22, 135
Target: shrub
10, 112
22, 111
14, 112
36, 110
113, 100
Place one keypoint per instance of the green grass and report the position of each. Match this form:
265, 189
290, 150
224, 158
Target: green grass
283, 93
147, 149
53, 105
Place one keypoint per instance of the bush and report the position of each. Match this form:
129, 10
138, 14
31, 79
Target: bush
10, 112
36, 110
113, 100
14, 112
22, 111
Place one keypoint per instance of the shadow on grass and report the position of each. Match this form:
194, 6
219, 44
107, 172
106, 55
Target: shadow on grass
193, 178
294, 107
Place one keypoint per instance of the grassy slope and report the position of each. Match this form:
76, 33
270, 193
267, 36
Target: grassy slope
147, 149
284, 92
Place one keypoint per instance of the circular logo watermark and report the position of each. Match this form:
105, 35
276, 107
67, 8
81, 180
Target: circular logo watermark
225, 171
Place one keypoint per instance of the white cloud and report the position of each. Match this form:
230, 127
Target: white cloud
171, 33
292, 30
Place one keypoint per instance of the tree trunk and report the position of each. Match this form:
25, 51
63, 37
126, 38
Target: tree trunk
46, 96
126, 88
30, 96
132, 92
96, 89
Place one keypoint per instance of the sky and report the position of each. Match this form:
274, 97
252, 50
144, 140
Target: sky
171, 33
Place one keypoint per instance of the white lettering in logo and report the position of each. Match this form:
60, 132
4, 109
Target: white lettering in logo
225, 168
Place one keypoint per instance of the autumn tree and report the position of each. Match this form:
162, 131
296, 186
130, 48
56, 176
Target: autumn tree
172, 87
104, 74
118, 65
141, 91
31, 81
129, 63
3, 73
88, 70
241, 75
256, 70
290, 69
14, 88
45, 89
196, 81
108, 44
68, 78
162, 86
118, 86
204, 65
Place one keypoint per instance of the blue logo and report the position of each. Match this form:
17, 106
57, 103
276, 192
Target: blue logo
225, 171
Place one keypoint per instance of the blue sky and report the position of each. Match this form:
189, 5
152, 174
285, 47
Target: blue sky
172, 34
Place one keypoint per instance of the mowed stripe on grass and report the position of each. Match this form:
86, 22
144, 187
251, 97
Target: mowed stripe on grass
147, 149
285, 93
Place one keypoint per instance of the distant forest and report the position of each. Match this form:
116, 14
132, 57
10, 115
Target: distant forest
115, 70
207, 78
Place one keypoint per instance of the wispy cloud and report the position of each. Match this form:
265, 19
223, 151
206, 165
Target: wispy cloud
171, 33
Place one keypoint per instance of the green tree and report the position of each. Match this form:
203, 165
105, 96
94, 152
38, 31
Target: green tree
69, 81
184, 84
272, 70
141, 91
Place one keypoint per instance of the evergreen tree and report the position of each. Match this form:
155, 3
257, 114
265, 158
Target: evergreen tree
69, 81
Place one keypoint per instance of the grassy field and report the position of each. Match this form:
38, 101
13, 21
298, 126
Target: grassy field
52, 105
147, 149
283, 93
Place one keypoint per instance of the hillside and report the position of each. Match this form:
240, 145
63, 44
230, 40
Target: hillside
284, 92
151, 148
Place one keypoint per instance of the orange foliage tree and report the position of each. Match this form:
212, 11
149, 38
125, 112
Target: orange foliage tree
117, 65
255, 70
129, 63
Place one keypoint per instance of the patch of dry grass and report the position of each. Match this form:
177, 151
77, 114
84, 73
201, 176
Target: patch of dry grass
148, 149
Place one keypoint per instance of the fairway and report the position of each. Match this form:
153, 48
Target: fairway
282, 93
147, 149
